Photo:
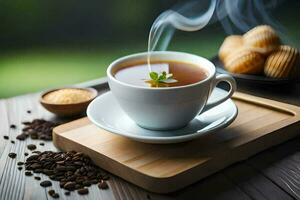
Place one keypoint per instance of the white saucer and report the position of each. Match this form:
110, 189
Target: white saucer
106, 113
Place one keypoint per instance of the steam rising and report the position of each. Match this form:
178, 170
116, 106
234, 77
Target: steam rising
239, 16
170, 20
236, 17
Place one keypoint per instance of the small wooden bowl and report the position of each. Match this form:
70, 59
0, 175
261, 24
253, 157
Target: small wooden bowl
68, 110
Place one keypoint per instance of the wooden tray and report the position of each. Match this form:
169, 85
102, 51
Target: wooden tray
261, 123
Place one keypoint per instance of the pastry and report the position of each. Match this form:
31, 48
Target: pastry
280, 63
230, 43
263, 37
245, 60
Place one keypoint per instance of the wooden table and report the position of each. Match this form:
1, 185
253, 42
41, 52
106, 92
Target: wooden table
272, 174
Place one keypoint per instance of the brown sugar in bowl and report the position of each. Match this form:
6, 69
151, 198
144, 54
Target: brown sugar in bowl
64, 102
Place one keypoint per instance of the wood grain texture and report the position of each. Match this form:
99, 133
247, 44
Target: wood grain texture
253, 183
281, 164
14, 185
159, 168
217, 186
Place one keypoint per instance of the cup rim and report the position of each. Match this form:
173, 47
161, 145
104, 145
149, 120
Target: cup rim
132, 56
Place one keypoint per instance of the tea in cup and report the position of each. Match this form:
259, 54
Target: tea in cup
170, 103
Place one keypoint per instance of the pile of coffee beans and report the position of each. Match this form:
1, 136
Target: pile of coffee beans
37, 129
73, 170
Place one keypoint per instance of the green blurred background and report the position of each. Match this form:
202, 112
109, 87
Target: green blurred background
52, 43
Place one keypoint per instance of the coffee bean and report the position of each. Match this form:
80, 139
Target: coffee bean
78, 186
21, 137
37, 178
31, 147
38, 129
20, 163
20, 168
61, 162
105, 177
42, 144
61, 168
61, 184
103, 185
48, 172
74, 171
51, 192
86, 183
26, 129
83, 191
46, 184
32, 157
5, 137
55, 196
59, 178
70, 186
25, 154
35, 166
12, 155
12, 141
13, 126
28, 111
28, 173
67, 193
38, 171
34, 136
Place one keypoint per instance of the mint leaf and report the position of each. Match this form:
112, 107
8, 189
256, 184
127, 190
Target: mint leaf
153, 76
162, 78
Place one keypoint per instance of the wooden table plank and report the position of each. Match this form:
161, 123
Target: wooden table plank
216, 186
4, 126
13, 183
281, 165
263, 183
213, 187
254, 183
247, 180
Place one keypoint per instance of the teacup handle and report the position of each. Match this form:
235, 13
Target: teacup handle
219, 78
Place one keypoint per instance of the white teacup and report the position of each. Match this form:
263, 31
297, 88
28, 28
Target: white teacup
167, 108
